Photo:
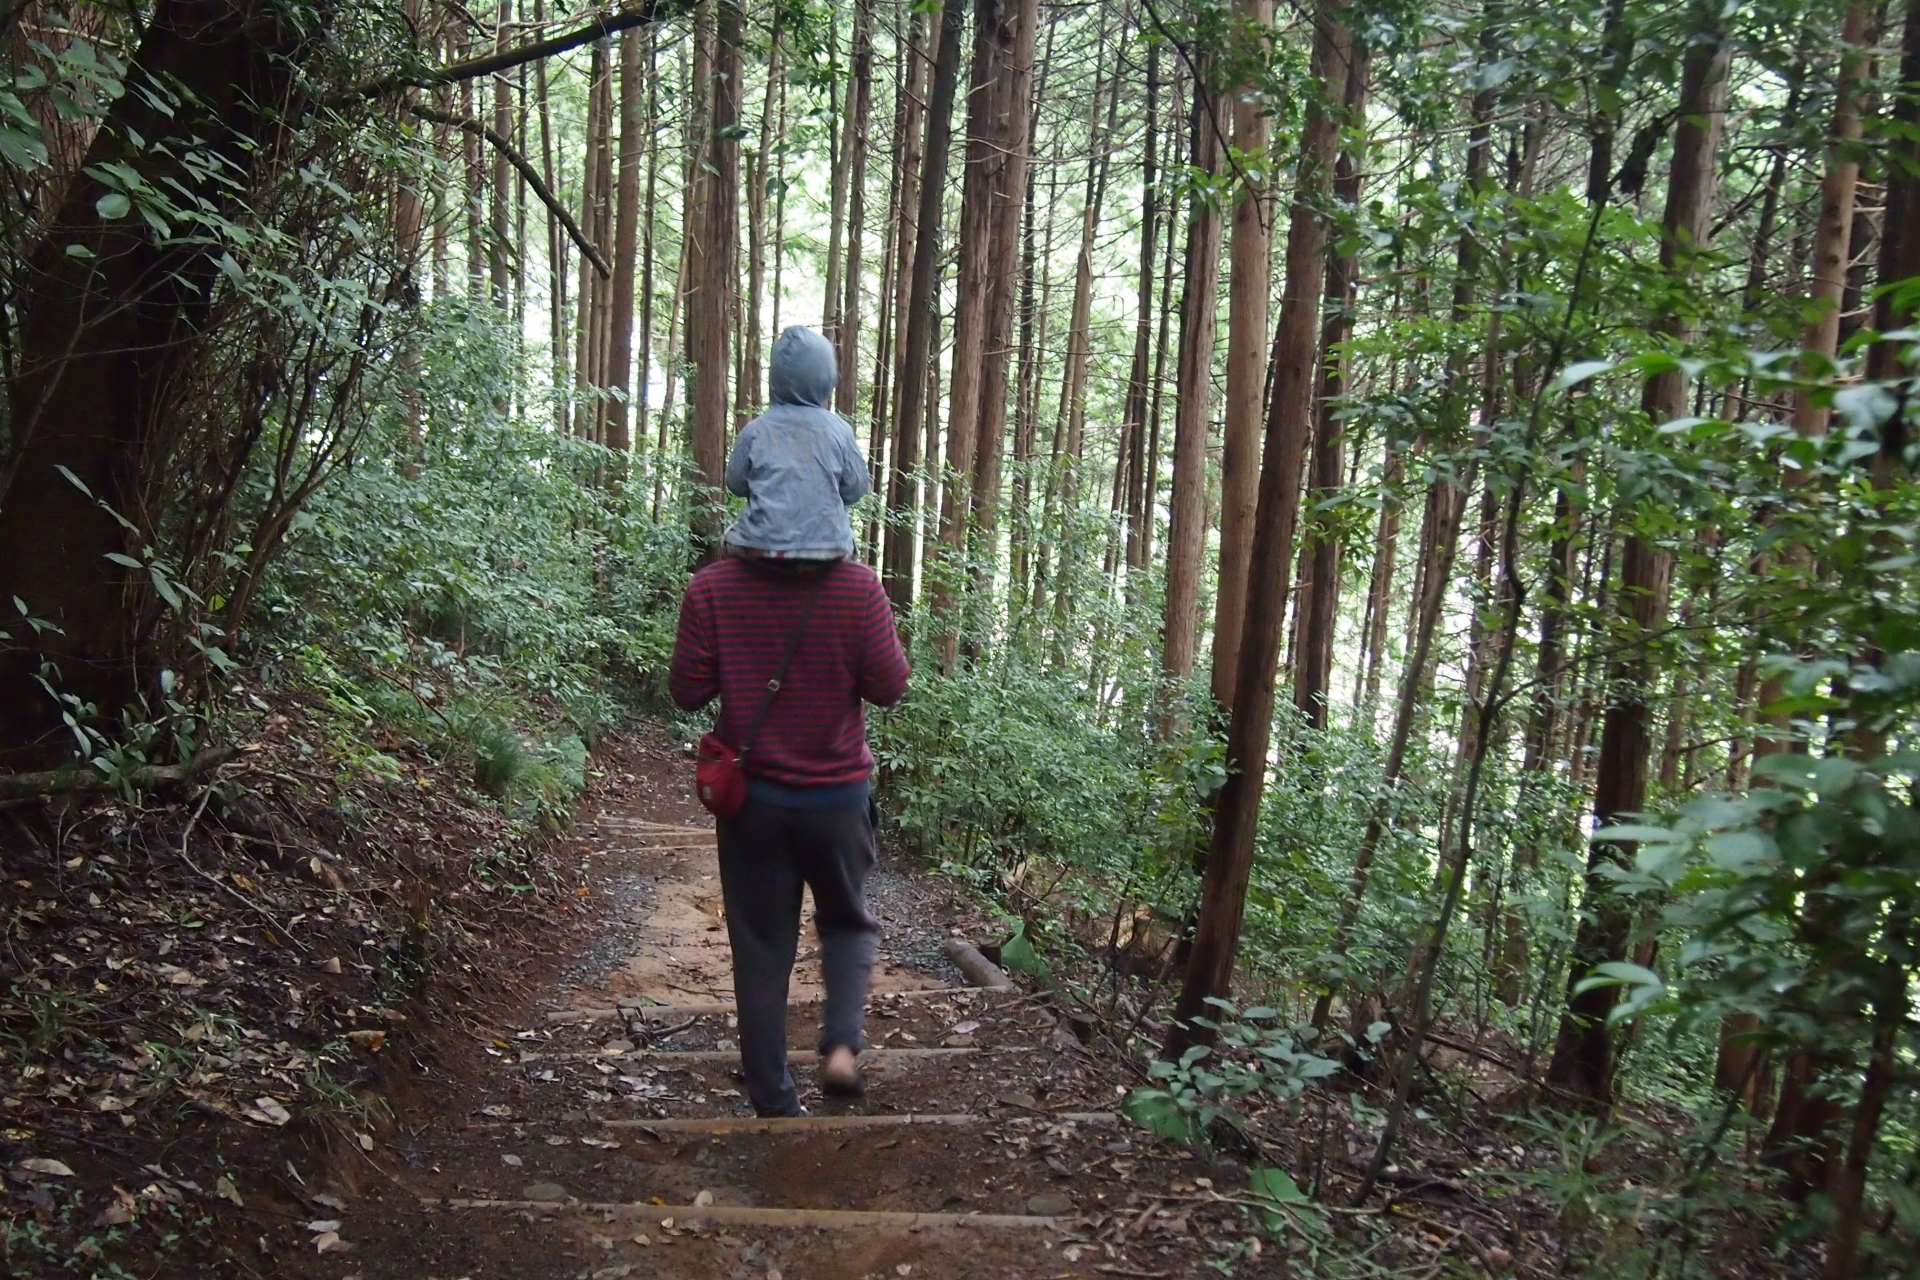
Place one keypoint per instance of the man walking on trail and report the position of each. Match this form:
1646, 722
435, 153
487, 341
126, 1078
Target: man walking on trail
807, 819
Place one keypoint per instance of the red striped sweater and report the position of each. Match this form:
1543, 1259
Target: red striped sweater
734, 624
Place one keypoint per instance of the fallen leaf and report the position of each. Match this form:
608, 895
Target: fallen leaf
326, 1240
324, 1225
329, 1202
556, 1140
267, 1111
224, 1188
366, 1141
702, 1200
371, 1041
40, 1164
510, 1159
499, 1111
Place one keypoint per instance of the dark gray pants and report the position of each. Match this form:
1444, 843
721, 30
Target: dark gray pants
766, 854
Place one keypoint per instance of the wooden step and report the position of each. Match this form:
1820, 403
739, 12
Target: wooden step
817, 1124
779, 1219
670, 1012
798, 1057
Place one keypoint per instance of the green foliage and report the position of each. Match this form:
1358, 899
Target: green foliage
1250, 1055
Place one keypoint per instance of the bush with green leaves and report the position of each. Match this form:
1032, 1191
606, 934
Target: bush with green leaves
1251, 1054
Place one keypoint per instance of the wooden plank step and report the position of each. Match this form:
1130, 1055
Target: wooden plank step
669, 1012
799, 1057
784, 1219
829, 1124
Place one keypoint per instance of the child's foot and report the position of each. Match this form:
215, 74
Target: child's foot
840, 1074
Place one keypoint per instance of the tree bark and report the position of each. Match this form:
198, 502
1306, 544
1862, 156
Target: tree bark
626, 242
1832, 234
104, 341
711, 277
1583, 1059
1187, 513
917, 350
1249, 266
1134, 421
859, 106
1320, 607
1223, 888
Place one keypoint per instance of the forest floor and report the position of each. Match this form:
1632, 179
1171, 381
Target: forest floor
525, 1069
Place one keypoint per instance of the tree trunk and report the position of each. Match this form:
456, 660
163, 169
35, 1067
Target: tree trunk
586, 367
501, 244
1832, 234
1380, 588
859, 105
1250, 259
1187, 514
1583, 1057
626, 243
1320, 608
1223, 888
1010, 192
101, 343
1134, 421
711, 276
752, 386
917, 350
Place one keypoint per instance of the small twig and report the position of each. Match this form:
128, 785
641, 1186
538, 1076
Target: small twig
279, 929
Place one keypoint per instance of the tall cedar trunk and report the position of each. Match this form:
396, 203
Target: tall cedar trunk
1162, 344
986, 146
643, 381
1249, 265
711, 275
586, 368
556, 240
104, 344
476, 193
1009, 195
1187, 512
908, 140
501, 240
1583, 1058
1223, 888
1071, 447
626, 243
859, 105
1832, 234
752, 383
1134, 418
917, 350
1036, 291
1320, 606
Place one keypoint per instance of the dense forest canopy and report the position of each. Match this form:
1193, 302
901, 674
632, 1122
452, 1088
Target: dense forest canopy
1413, 504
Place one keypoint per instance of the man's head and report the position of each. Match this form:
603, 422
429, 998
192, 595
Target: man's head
803, 369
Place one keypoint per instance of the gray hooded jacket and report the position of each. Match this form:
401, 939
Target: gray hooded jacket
798, 465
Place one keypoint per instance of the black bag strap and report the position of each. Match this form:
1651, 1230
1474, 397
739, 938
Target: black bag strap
786, 661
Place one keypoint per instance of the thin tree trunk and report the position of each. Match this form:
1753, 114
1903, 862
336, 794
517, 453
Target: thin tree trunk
917, 351
1832, 234
1134, 428
586, 370
711, 276
626, 239
502, 241
1320, 607
859, 106
1187, 516
1380, 591
1583, 1058
752, 388
1223, 887
1249, 269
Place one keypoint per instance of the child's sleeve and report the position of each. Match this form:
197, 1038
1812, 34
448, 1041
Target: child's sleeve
855, 483
740, 461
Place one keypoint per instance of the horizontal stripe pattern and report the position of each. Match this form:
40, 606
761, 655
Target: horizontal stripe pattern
734, 623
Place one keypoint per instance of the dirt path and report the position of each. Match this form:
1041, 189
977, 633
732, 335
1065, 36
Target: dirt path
600, 1132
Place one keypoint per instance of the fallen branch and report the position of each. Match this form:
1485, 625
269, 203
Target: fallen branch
81, 780
527, 171
976, 968
506, 59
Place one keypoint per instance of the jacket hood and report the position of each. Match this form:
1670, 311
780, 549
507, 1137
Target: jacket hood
803, 369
